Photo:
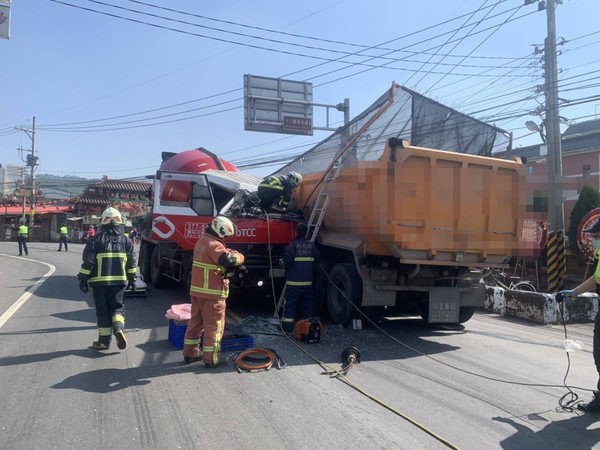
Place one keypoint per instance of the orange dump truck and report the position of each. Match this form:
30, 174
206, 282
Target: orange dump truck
407, 228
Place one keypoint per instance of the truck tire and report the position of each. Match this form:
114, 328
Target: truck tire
465, 313
144, 261
343, 291
158, 279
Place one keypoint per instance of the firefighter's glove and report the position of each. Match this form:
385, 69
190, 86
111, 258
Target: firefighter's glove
281, 263
565, 296
130, 285
84, 286
240, 272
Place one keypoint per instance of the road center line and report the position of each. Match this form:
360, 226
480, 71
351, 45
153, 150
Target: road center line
23, 298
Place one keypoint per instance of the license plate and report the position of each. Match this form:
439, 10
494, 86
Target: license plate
277, 273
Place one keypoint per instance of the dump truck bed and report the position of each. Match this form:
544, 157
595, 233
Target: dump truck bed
429, 205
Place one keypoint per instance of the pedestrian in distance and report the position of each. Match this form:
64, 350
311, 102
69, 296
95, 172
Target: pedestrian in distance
109, 267
22, 236
209, 291
64, 233
275, 191
300, 260
592, 284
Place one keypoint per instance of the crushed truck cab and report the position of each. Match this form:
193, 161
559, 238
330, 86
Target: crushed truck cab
184, 202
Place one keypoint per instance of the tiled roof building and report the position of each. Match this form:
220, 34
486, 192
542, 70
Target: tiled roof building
110, 192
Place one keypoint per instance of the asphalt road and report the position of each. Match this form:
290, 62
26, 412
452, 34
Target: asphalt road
494, 383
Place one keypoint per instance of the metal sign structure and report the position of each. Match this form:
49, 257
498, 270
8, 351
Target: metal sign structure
278, 106
4, 19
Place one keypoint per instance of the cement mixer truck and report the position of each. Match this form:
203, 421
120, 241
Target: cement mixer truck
189, 189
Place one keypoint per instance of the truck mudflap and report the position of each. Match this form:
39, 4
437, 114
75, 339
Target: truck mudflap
445, 303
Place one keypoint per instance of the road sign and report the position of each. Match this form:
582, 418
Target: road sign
277, 106
4, 19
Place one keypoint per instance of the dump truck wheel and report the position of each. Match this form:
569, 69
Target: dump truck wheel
465, 313
343, 290
158, 279
145, 257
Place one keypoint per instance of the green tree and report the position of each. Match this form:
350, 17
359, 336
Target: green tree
589, 198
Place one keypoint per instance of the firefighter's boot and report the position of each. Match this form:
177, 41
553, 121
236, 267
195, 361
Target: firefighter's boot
102, 343
118, 324
593, 406
287, 324
104, 338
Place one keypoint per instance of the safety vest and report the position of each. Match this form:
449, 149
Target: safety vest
207, 273
64, 231
24, 230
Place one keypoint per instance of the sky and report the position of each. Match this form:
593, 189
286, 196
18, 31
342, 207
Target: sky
114, 83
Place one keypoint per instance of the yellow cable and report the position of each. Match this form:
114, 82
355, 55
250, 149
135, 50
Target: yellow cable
340, 374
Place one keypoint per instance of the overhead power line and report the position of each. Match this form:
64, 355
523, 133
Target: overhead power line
116, 126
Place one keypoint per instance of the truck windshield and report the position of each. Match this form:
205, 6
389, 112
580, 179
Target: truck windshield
188, 194
202, 202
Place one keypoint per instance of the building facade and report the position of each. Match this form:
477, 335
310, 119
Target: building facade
580, 165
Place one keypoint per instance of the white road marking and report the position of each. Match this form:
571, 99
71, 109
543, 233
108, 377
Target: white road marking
21, 300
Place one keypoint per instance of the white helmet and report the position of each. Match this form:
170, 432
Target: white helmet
295, 179
222, 226
111, 215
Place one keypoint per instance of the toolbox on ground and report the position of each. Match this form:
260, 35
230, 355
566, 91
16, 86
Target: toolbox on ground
233, 339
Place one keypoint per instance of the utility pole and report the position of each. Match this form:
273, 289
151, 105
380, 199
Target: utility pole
31, 162
552, 123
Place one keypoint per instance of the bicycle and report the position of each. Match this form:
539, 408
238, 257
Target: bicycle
505, 281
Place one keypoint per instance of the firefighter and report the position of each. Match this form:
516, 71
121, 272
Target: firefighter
592, 284
300, 259
109, 266
64, 232
22, 235
209, 290
275, 191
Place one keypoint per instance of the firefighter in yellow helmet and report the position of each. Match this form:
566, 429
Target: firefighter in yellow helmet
109, 265
275, 191
208, 291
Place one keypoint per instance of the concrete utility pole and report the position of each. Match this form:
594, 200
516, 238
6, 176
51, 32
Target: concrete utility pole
552, 123
31, 162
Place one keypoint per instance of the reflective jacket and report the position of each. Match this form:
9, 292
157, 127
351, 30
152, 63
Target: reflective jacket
211, 258
108, 259
64, 232
24, 231
282, 185
300, 257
